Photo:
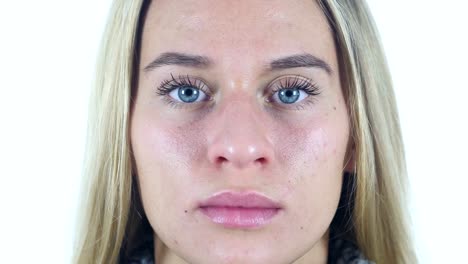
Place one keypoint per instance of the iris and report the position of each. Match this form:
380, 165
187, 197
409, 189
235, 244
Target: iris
188, 94
288, 96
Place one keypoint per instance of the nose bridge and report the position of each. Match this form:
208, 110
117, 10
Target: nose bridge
240, 135
243, 124
241, 112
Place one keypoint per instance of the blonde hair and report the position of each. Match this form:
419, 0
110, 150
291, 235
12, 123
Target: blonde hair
379, 221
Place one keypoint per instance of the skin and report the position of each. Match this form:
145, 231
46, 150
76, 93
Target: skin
238, 140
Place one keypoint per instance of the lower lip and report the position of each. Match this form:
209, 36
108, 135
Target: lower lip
239, 217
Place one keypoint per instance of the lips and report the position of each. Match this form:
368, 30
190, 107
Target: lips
240, 210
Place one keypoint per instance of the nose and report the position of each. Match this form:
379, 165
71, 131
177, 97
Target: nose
239, 137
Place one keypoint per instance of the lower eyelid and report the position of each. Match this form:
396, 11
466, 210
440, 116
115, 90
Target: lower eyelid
271, 90
176, 90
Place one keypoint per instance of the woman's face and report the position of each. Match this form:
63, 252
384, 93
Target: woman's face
239, 130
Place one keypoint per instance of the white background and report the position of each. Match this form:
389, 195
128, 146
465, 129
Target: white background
47, 57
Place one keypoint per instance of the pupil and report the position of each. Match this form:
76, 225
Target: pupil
188, 94
289, 96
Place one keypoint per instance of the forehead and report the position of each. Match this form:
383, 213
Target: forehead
233, 30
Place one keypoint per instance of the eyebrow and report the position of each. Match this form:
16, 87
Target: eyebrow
300, 60
196, 61
181, 59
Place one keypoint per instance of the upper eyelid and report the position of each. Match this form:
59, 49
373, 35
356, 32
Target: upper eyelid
203, 85
275, 85
295, 79
268, 90
195, 82
173, 83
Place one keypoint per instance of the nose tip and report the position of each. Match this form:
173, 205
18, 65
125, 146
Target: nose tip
240, 155
239, 137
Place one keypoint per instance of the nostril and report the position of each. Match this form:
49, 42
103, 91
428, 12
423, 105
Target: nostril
221, 160
240, 154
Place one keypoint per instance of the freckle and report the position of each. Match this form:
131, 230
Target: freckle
302, 227
185, 211
334, 108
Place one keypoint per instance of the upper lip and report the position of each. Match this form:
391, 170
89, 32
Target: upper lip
236, 199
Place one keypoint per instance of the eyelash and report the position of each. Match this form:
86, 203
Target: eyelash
167, 86
292, 82
296, 82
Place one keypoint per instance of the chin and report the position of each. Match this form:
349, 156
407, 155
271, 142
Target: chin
248, 256
226, 253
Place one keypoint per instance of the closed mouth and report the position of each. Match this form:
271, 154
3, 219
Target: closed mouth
240, 210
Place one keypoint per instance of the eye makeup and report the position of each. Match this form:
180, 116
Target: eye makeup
187, 82
283, 92
297, 87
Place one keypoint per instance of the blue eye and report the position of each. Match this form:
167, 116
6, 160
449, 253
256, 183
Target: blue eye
291, 90
183, 90
187, 94
290, 95
186, 91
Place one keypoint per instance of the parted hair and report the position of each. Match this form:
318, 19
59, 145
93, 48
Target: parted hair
111, 216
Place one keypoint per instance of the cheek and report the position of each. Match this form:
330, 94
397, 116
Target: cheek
305, 146
313, 155
164, 153
314, 152
318, 148
163, 145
